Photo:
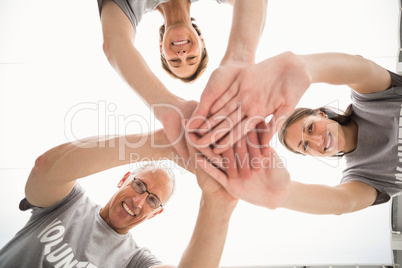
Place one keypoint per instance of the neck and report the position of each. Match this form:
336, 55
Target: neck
175, 11
351, 131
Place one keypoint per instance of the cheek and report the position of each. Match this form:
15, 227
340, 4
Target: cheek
322, 127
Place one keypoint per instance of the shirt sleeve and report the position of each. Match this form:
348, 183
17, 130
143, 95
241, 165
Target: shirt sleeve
396, 79
382, 195
76, 193
144, 259
392, 93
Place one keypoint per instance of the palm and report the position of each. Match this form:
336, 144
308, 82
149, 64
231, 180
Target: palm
173, 127
265, 187
208, 185
219, 82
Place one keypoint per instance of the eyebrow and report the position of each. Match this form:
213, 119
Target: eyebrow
303, 129
177, 66
146, 186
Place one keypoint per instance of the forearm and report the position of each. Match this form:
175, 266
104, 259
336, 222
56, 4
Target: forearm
247, 26
323, 199
118, 45
78, 159
131, 66
359, 73
56, 171
207, 242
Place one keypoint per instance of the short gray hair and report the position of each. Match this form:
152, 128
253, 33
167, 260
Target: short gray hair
153, 166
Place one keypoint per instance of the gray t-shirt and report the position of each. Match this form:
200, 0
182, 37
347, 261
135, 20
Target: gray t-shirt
377, 160
71, 233
135, 9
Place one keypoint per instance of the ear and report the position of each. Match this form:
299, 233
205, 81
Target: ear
125, 177
202, 40
321, 113
156, 213
160, 47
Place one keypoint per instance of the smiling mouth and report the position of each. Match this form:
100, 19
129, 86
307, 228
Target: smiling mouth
128, 210
181, 43
329, 142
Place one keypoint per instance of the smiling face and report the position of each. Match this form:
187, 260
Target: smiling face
182, 48
127, 208
316, 135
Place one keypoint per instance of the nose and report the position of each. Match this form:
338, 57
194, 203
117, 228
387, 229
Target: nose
181, 52
139, 200
318, 140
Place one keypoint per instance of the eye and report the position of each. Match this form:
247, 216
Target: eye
140, 187
310, 128
174, 60
305, 146
153, 201
191, 58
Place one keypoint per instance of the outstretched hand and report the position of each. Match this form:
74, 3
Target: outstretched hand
271, 87
172, 121
210, 187
267, 186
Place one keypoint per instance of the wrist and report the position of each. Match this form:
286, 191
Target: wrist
243, 57
164, 107
224, 205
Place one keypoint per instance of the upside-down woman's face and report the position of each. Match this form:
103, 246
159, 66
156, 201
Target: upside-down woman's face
316, 135
182, 48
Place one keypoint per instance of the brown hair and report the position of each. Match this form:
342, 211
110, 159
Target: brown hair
201, 67
299, 113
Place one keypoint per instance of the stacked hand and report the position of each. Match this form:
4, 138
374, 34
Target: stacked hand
173, 116
249, 175
239, 100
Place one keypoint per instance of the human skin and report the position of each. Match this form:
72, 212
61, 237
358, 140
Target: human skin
271, 187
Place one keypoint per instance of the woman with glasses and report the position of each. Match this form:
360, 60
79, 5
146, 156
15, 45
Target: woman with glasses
368, 135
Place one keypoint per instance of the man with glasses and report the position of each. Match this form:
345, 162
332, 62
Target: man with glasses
67, 229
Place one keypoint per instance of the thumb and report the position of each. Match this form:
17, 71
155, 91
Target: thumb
214, 172
273, 126
199, 116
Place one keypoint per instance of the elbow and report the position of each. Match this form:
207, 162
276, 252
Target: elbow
106, 46
272, 206
47, 160
109, 46
38, 173
41, 163
346, 207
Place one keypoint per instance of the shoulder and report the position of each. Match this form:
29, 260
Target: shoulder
396, 79
144, 258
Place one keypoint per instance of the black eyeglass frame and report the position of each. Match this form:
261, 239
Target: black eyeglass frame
146, 191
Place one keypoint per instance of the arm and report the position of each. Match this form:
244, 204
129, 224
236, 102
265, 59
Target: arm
248, 23
207, 242
276, 85
271, 187
247, 26
216, 207
320, 199
360, 74
56, 171
118, 45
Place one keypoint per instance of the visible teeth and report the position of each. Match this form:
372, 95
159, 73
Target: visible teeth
128, 210
328, 142
180, 43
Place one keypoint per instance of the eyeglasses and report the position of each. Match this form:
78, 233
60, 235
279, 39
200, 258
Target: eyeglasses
140, 187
